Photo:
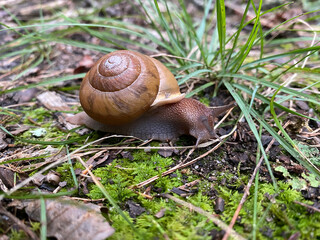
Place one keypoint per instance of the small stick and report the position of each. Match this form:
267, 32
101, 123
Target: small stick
183, 165
307, 206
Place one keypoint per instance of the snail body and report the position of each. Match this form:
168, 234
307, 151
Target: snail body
130, 93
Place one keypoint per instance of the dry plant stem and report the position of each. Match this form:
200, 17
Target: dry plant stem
28, 104
222, 119
247, 192
215, 220
95, 180
144, 195
182, 164
17, 153
86, 200
31, 234
34, 122
318, 145
307, 206
52, 165
179, 166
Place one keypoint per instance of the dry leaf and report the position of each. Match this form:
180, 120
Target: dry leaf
7, 177
68, 219
53, 101
18, 128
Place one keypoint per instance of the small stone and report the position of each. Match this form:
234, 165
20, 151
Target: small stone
161, 213
53, 178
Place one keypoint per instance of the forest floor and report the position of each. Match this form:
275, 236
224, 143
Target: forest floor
144, 189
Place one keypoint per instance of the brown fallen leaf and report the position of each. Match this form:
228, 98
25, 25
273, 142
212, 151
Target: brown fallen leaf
7, 178
18, 128
84, 65
53, 101
69, 219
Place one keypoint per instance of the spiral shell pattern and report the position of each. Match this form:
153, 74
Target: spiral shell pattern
123, 85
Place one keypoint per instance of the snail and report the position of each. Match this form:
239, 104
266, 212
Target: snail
126, 92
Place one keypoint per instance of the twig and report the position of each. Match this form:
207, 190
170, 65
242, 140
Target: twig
307, 206
214, 219
189, 185
183, 165
85, 200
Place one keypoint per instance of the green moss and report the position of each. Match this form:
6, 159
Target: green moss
123, 173
117, 188
66, 174
35, 226
205, 101
17, 235
276, 211
44, 131
37, 114
300, 182
284, 218
177, 223
52, 133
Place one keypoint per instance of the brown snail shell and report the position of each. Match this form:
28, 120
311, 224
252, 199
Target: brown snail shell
123, 85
